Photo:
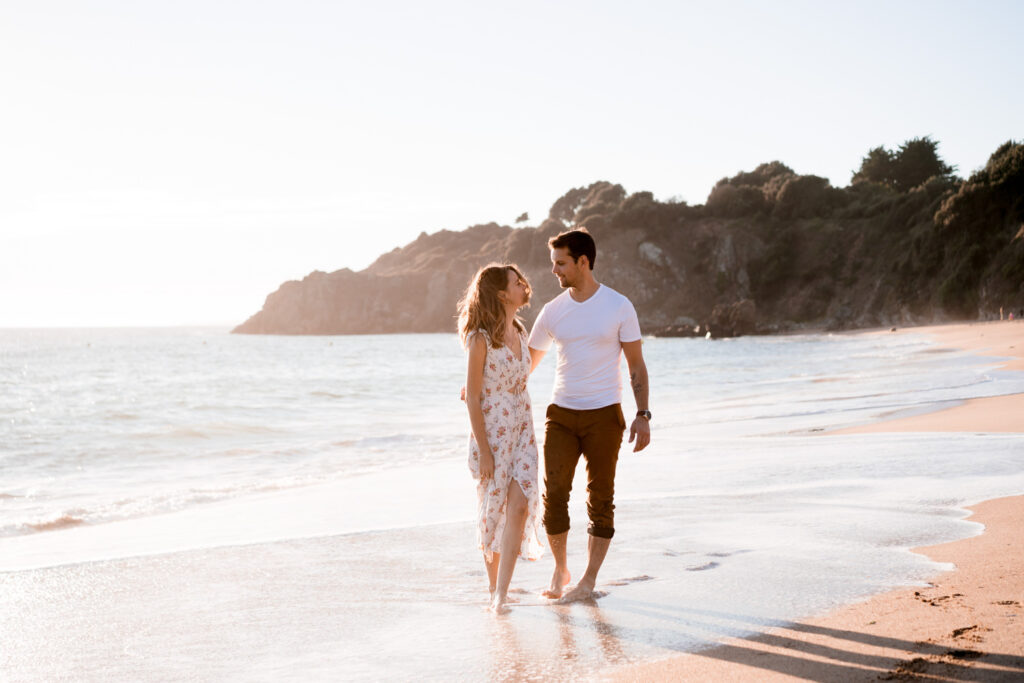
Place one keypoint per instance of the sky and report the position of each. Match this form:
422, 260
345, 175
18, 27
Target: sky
172, 163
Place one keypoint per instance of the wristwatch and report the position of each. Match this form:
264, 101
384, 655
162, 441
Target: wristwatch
644, 414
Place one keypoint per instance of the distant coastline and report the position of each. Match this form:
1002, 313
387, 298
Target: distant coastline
771, 251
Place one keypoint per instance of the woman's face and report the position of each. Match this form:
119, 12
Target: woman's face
517, 290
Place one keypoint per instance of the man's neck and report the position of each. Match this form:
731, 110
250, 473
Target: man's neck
585, 289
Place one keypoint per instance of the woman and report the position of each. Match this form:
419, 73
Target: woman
502, 446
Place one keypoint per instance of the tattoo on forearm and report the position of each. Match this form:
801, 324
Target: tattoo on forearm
637, 383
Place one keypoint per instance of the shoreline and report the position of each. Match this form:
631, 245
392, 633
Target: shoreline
1002, 339
965, 625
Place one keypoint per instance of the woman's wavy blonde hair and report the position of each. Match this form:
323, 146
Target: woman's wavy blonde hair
481, 308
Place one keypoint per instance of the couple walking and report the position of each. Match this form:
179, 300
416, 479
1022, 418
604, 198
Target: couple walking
592, 326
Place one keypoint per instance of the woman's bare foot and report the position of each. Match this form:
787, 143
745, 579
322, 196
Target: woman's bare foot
500, 603
559, 580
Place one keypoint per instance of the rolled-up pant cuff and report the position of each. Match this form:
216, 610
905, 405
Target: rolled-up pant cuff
601, 531
555, 529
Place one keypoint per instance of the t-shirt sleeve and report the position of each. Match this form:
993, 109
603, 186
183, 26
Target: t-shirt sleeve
629, 326
540, 336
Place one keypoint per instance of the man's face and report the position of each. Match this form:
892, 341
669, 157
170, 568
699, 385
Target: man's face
565, 269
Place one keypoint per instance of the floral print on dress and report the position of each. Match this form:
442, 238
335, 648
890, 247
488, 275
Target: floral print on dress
508, 420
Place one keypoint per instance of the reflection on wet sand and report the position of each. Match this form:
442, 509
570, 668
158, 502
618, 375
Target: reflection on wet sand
522, 649
607, 635
509, 661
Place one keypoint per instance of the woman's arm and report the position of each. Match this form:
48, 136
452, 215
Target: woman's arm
536, 355
474, 391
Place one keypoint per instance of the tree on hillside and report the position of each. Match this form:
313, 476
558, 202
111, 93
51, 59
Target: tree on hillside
913, 163
578, 203
564, 208
916, 161
523, 217
876, 167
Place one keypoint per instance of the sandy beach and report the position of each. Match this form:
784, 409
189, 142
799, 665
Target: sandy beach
250, 531
1004, 340
966, 624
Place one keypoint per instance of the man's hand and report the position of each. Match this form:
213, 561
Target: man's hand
641, 431
641, 428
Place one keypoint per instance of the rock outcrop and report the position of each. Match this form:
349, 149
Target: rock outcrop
771, 251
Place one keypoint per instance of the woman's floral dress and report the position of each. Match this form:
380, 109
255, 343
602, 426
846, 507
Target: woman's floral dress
508, 419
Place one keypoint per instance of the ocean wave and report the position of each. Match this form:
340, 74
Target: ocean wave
155, 503
327, 394
206, 431
62, 522
122, 416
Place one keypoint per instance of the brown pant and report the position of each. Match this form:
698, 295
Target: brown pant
597, 435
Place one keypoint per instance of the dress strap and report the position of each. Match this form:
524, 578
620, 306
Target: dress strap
480, 331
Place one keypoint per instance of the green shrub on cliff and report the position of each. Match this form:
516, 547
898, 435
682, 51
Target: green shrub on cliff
597, 198
807, 196
732, 201
992, 199
748, 193
980, 228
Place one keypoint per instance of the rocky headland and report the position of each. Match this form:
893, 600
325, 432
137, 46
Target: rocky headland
907, 242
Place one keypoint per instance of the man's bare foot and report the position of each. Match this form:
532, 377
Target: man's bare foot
584, 590
559, 580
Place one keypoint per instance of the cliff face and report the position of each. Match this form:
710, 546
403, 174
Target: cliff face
772, 250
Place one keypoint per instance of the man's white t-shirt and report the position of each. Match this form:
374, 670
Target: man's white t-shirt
588, 337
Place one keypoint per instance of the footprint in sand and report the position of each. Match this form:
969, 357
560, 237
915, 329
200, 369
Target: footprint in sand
702, 567
632, 579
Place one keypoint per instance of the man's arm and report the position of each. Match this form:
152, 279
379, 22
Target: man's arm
641, 428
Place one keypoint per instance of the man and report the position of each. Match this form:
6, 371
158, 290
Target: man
592, 325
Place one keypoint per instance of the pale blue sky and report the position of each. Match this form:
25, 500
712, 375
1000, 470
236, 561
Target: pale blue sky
173, 163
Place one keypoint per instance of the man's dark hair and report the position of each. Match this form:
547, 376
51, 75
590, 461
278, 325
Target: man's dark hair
578, 242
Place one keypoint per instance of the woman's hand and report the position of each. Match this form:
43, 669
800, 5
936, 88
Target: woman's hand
486, 465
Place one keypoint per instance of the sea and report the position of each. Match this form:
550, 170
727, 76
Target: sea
188, 504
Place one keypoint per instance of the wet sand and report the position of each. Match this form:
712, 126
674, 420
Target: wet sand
316, 582
967, 624
1004, 340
